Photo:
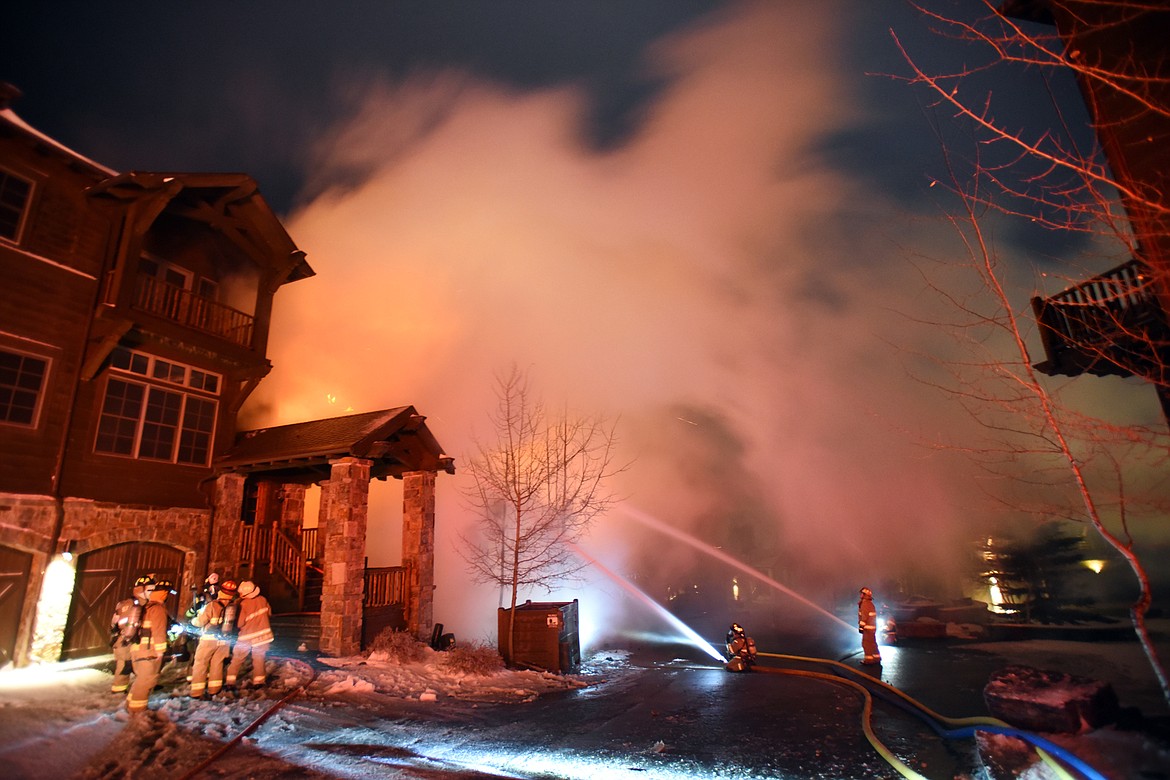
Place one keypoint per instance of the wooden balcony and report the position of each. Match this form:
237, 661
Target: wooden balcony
1109, 325
194, 311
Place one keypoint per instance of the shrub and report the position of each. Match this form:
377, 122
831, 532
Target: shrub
476, 659
398, 646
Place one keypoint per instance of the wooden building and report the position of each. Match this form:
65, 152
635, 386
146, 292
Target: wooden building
134, 323
1117, 323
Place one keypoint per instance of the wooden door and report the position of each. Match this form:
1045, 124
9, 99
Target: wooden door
105, 577
14, 569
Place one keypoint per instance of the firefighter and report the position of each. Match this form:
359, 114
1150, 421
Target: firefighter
147, 653
199, 600
253, 634
214, 645
867, 627
124, 631
204, 597
889, 628
741, 649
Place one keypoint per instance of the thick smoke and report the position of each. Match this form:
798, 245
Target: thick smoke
713, 284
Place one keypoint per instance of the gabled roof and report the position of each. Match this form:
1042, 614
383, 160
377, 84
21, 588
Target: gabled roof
230, 203
396, 441
8, 94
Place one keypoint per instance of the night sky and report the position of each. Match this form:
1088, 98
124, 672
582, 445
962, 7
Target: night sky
706, 220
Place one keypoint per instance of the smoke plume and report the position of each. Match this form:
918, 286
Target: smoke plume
712, 283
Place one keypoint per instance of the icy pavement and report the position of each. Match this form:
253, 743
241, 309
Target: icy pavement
642, 714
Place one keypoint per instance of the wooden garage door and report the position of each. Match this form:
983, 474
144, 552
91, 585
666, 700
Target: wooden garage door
105, 577
14, 568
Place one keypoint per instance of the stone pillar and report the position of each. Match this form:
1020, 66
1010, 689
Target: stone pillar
226, 526
342, 526
292, 510
418, 550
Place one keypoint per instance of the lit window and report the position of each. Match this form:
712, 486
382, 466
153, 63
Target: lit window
22, 380
14, 196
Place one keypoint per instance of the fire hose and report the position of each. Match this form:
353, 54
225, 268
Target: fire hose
255, 724
959, 728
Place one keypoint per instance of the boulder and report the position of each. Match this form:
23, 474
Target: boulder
1041, 700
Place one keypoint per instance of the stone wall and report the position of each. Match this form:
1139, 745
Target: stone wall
227, 531
418, 549
26, 524
93, 525
342, 527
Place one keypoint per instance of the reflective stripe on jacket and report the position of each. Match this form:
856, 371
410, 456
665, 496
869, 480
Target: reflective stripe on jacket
209, 620
153, 632
253, 621
866, 615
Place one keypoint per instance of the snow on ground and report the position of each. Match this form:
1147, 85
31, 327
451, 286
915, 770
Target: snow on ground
430, 679
360, 716
58, 722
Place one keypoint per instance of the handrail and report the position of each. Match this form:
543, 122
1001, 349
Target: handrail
195, 311
287, 559
309, 543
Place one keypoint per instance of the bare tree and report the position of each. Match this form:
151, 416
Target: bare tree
1114, 190
536, 489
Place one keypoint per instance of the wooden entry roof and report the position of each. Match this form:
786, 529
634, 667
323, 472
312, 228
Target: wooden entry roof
396, 441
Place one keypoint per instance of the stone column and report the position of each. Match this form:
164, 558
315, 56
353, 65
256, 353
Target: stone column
292, 510
226, 526
342, 527
418, 550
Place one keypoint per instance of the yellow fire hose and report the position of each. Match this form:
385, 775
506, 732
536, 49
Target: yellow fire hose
867, 711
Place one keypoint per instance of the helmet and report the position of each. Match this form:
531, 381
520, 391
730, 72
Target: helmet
737, 628
163, 584
248, 589
866, 592
228, 588
144, 581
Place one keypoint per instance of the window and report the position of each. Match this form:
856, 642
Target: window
208, 289
22, 383
144, 419
14, 196
165, 272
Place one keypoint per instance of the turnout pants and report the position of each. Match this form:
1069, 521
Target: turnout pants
146, 672
123, 666
207, 669
240, 653
869, 646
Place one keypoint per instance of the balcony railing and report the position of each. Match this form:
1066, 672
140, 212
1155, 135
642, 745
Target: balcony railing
1112, 324
194, 311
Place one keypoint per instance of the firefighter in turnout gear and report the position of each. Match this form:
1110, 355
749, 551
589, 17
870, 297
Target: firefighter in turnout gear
124, 631
867, 627
741, 649
147, 652
211, 653
254, 634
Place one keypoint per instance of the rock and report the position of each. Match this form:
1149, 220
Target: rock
1040, 700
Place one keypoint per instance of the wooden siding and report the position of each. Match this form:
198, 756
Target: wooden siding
44, 313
